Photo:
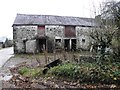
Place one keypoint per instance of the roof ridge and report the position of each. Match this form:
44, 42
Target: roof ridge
35, 19
53, 15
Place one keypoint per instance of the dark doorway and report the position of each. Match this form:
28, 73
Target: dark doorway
40, 45
24, 43
67, 44
57, 40
50, 45
73, 45
58, 44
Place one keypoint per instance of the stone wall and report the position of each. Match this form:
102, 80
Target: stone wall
24, 42
20, 47
54, 31
31, 46
83, 39
82, 34
21, 34
25, 32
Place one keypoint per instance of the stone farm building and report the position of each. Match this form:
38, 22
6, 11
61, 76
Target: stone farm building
33, 33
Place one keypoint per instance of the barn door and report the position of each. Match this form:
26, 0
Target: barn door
73, 44
41, 31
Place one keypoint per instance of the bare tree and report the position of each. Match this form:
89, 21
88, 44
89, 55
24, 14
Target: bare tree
102, 38
107, 33
103, 34
116, 13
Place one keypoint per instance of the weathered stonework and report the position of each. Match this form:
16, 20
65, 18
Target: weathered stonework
47, 30
31, 46
83, 38
25, 32
25, 41
21, 34
20, 46
54, 31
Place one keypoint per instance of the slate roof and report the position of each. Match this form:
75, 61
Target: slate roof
27, 19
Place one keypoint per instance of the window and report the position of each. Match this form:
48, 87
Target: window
50, 29
83, 40
58, 43
58, 40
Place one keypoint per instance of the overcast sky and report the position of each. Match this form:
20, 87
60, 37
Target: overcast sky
9, 9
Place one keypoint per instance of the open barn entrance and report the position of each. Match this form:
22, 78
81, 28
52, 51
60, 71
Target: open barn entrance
41, 45
70, 44
58, 44
67, 44
73, 44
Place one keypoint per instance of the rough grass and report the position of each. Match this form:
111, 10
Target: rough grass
84, 71
88, 72
30, 72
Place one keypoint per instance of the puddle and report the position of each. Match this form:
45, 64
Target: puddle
5, 74
12, 66
6, 77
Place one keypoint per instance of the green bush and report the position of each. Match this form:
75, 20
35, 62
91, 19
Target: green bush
116, 72
87, 72
93, 73
29, 72
23, 70
66, 70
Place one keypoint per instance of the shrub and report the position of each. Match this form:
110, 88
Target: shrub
88, 72
116, 72
23, 70
66, 70
30, 72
